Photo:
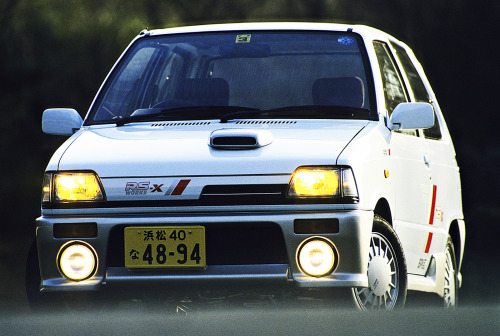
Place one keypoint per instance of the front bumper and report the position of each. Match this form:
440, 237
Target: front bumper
351, 240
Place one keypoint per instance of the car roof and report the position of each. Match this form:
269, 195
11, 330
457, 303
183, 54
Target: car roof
365, 31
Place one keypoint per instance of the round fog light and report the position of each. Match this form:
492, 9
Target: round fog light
77, 261
317, 257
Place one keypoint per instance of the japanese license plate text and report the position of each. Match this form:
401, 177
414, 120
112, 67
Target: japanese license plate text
163, 247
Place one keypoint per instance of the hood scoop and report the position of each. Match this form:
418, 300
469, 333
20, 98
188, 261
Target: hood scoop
240, 138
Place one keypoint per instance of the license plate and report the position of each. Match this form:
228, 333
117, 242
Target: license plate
164, 247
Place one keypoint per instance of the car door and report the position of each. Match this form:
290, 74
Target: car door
440, 157
412, 175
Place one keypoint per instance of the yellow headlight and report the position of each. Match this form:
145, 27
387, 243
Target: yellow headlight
311, 181
77, 187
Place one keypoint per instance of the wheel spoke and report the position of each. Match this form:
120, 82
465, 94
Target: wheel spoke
447, 300
449, 279
372, 248
367, 298
373, 302
390, 296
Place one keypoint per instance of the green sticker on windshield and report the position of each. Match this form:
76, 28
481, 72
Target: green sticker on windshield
243, 38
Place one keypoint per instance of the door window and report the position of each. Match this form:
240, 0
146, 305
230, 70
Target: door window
393, 88
394, 91
419, 90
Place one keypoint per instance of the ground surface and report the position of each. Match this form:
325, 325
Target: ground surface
251, 313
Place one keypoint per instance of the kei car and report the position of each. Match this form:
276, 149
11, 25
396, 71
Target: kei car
299, 154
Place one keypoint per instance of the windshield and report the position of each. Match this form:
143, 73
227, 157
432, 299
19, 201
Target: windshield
237, 71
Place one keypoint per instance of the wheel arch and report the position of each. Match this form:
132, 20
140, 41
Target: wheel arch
457, 234
383, 210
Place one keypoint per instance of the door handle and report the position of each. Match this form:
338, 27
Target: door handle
426, 161
428, 166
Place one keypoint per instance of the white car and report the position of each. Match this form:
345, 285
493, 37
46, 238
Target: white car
295, 154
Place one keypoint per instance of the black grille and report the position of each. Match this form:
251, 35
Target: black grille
244, 194
226, 243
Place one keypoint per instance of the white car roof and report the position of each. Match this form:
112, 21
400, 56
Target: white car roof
367, 32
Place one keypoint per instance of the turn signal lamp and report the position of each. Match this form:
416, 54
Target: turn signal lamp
349, 188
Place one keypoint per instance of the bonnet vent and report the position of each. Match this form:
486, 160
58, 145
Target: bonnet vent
173, 124
240, 138
265, 122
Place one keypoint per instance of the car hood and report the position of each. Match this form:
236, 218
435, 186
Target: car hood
183, 149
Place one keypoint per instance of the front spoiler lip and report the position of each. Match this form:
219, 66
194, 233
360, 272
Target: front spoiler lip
213, 275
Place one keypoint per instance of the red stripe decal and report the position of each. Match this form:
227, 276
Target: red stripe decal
429, 240
433, 205
179, 188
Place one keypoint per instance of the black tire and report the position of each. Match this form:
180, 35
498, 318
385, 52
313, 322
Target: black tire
450, 298
32, 278
387, 274
37, 301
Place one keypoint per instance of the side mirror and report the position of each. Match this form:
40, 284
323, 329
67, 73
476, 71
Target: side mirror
412, 116
61, 121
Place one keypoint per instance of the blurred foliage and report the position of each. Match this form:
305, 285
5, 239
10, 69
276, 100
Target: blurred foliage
56, 53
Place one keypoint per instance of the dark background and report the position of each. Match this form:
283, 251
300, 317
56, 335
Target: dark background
56, 53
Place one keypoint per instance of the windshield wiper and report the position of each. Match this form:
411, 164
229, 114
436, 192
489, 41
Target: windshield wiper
193, 112
312, 111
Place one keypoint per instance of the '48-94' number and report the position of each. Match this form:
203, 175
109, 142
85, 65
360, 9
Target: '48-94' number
161, 254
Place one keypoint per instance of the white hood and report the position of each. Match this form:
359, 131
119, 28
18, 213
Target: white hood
182, 149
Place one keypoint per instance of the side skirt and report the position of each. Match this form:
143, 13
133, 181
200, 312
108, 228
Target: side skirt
433, 281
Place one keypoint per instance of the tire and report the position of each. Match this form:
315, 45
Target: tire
387, 275
37, 301
450, 297
32, 278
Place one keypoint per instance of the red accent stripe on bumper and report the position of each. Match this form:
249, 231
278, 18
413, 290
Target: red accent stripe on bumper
179, 188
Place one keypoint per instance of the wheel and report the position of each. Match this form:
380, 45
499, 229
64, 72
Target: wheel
387, 279
450, 298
